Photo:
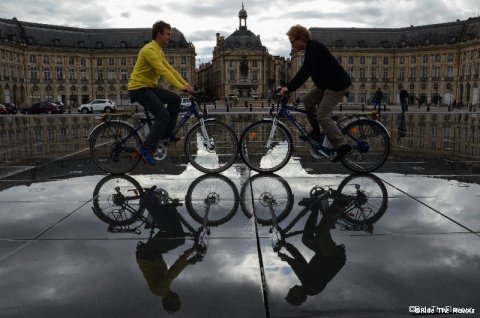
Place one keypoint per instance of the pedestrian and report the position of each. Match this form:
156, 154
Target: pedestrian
331, 84
377, 99
404, 100
143, 88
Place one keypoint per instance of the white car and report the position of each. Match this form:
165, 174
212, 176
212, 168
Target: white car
98, 105
185, 102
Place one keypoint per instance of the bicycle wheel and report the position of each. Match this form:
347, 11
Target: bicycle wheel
370, 198
116, 200
216, 195
107, 150
271, 197
255, 152
222, 153
370, 143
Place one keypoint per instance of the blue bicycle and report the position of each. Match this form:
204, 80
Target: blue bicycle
267, 145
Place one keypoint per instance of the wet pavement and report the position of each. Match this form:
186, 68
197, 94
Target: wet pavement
404, 239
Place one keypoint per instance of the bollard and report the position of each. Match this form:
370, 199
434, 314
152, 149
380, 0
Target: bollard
470, 108
363, 107
251, 108
341, 107
384, 107
136, 108
448, 108
428, 107
262, 104
69, 110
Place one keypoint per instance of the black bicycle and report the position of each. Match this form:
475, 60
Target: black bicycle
267, 145
273, 200
210, 146
211, 198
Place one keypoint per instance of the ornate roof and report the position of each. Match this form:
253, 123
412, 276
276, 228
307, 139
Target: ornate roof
433, 34
53, 35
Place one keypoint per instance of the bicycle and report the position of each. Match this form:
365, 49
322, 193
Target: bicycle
117, 200
367, 194
267, 145
210, 146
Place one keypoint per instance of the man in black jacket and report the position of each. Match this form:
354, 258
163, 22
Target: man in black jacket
331, 84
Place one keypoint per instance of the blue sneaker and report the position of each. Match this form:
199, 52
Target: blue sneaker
146, 155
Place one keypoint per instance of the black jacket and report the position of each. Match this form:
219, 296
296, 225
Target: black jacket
323, 67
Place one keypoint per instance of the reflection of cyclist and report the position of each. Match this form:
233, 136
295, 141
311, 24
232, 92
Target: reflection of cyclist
329, 257
169, 237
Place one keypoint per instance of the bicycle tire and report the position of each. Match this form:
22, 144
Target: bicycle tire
253, 146
370, 203
116, 200
215, 160
266, 189
371, 148
220, 191
107, 154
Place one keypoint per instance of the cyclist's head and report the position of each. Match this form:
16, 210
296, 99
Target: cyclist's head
159, 26
171, 302
298, 33
296, 295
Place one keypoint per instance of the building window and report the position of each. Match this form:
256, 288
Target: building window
437, 58
99, 75
171, 60
401, 73
450, 57
111, 61
362, 60
254, 75
33, 58
362, 72
232, 75
72, 74
425, 58
183, 60
111, 74
374, 61
46, 59
124, 74
413, 60
374, 73
99, 62
33, 72
183, 72
385, 61
123, 61
46, 73
385, 73
83, 61
350, 60
83, 74
402, 60
60, 73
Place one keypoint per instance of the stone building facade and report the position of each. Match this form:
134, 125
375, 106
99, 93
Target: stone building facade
241, 66
74, 65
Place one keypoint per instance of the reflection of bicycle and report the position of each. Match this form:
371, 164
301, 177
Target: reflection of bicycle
273, 200
116, 200
267, 145
210, 145
271, 196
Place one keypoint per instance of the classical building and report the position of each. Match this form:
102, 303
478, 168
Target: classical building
436, 63
75, 65
241, 66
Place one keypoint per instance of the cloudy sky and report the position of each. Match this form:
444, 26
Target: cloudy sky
199, 21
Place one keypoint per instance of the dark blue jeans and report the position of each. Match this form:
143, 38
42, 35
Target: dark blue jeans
154, 101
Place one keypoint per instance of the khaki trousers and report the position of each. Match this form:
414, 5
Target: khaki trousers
326, 101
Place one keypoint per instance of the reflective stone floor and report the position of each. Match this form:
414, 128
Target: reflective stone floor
74, 241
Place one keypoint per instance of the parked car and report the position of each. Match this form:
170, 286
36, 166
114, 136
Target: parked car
185, 102
3, 110
98, 105
11, 108
61, 106
42, 108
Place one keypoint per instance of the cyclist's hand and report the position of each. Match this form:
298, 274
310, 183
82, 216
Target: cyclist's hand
188, 89
283, 91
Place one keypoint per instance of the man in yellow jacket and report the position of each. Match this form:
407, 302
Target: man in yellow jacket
143, 88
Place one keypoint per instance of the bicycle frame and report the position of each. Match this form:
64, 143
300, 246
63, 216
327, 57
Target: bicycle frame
286, 111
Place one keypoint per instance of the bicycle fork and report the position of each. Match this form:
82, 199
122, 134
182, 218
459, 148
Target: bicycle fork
207, 141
